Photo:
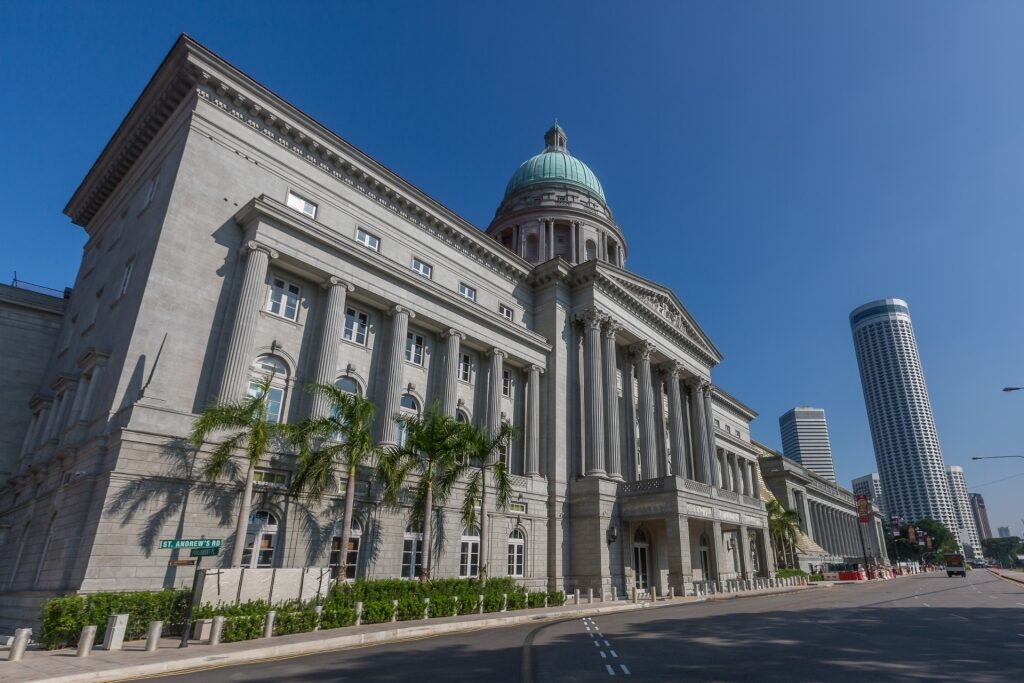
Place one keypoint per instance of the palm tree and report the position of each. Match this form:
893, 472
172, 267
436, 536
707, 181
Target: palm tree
434, 449
484, 455
252, 432
783, 525
341, 440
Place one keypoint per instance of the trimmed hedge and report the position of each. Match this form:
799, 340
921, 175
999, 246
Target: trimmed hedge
64, 617
788, 573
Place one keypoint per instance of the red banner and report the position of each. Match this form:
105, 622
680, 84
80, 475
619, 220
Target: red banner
912, 533
863, 509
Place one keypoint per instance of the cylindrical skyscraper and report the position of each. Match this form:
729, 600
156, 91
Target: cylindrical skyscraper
910, 464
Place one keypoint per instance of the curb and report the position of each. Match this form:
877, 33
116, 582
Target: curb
1012, 579
217, 658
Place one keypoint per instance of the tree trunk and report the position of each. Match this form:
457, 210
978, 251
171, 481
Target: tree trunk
346, 523
483, 525
242, 526
428, 513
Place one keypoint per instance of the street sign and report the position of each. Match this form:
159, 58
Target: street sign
863, 509
204, 552
895, 521
180, 563
176, 543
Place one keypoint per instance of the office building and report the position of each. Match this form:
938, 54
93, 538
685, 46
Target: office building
871, 486
980, 514
965, 529
805, 440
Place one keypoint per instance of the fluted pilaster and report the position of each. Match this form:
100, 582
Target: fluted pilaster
676, 423
709, 418
496, 357
703, 468
330, 337
648, 446
533, 420
243, 328
613, 454
400, 317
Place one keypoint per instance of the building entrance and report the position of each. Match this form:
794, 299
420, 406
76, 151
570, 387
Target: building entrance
641, 563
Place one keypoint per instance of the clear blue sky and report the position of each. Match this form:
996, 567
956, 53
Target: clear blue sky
777, 164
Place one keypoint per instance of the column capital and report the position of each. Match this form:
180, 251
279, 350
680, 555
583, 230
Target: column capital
535, 368
592, 317
672, 369
643, 350
396, 310
496, 352
610, 328
335, 281
451, 332
255, 245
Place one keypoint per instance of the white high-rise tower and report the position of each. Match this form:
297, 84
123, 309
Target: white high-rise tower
967, 529
805, 439
914, 483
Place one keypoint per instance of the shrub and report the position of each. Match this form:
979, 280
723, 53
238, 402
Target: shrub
556, 599
788, 573
65, 616
338, 617
300, 620
376, 612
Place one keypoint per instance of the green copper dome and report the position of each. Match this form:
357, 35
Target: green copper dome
555, 165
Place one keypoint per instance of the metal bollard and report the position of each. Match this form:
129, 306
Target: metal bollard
456, 599
114, 637
19, 644
634, 595
216, 630
615, 593
359, 614
85, 641
481, 602
394, 611
268, 624
590, 596
602, 594
545, 599
576, 595
504, 602
654, 593
426, 608
153, 635
319, 611
671, 592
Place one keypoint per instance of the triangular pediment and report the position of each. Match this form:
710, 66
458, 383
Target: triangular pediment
663, 302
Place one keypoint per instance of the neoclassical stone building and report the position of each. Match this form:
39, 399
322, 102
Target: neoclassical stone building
230, 235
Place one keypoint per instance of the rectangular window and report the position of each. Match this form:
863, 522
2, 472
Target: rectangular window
366, 238
284, 298
414, 348
506, 312
516, 557
301, 204
356, 323
517, 508
467, 291
469, 557
275, 401
506, 383
269, 477
466, 368
424, 269
412, 557
126, 278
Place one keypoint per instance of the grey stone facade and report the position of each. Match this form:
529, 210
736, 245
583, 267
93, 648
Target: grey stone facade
227, 230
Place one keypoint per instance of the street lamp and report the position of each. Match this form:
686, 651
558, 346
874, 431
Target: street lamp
1013, 388
993, 457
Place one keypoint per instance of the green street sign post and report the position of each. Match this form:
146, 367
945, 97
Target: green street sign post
200, 548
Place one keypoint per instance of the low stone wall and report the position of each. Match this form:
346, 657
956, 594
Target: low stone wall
233, 586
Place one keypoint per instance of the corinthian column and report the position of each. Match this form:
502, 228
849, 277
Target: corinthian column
648, 445
703, 469
450, 379
494, 392
593, 400
393, 386
243, 329
677, 425
613, 455
330, 337
533, 420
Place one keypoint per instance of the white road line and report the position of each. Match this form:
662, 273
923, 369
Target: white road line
588, 628
613, 654
591, 635
611, 671
607, 644
926, 604
1021, 604
597, 644
624, 669
603, 655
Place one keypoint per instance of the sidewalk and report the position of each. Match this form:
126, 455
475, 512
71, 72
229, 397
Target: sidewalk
1016, 577
62, 666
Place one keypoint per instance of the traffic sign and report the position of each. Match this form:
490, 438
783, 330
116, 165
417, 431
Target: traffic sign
204, 552
175, 543
180, 563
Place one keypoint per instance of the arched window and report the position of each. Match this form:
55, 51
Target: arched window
590, 250
469, 553
408, 408
412, 552
348, 385
461, 415
277, 370
516, 553
261, 535
355, 535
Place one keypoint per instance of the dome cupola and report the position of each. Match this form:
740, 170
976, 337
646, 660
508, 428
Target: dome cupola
555, 165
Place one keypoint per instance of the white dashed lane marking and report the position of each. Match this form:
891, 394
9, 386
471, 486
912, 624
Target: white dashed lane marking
611, 671
624, 669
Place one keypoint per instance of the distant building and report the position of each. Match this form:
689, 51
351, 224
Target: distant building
980, 515
871, 486
805, 440
907, 451
968, 532
1004, 532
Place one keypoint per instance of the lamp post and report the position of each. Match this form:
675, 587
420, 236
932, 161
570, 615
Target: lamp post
1013, 388
994, 457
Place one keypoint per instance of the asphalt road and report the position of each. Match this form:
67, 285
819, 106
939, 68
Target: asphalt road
926, 627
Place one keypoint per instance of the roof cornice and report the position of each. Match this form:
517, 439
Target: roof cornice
732, 403
190, 67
